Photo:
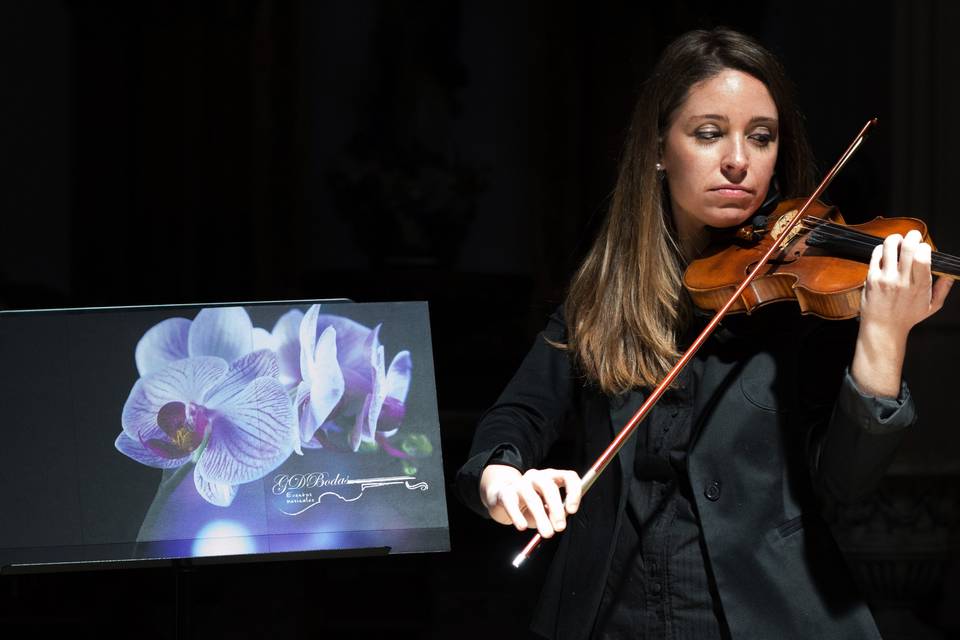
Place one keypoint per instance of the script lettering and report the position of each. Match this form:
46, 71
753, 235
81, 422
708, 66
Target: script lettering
284, 482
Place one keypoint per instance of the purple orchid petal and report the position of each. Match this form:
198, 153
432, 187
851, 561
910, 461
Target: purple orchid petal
355, 343
326, 387
313, 444
351, 336
307, 422
215, 493
182, 381
251, 434
286, 339
398, 376
133, 449
225, 332
366, 426
359, 428
262, 339
162, 344
397, 386
243, 371
308, 340
358, 376
378, 395
391, 416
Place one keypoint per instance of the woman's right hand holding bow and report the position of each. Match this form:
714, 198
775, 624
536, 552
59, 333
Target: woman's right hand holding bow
530, 499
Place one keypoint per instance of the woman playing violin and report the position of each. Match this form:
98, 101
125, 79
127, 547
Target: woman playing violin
708, 524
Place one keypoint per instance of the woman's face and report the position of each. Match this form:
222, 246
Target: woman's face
719, 153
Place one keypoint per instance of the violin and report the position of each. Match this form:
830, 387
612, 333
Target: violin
821, 262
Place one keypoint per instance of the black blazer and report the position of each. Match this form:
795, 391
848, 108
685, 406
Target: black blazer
780, 429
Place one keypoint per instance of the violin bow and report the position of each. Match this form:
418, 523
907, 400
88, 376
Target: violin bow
607, 456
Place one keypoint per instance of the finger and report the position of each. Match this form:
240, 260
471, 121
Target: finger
573, 487
920, 271
535, 510
908, 251
874, 272
546, 485
891, 247
511, 503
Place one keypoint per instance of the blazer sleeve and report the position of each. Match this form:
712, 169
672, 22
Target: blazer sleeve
521, 426
852, 449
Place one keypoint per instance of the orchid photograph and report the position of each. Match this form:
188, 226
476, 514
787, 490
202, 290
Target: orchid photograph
228, 399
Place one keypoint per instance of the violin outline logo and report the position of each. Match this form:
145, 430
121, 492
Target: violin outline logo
283, 484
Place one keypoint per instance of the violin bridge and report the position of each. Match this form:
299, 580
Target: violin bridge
781, 224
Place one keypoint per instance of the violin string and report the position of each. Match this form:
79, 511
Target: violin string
861, 239
830, 230
939, 261
852, 238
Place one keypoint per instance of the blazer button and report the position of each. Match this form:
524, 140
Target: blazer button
712, 491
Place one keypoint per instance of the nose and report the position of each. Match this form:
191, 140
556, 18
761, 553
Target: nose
735, 161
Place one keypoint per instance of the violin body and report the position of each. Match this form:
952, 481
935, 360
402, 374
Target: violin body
822, 264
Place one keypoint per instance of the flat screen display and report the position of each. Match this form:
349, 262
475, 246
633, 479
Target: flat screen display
218, 430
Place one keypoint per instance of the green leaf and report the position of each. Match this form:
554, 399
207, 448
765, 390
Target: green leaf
416, 445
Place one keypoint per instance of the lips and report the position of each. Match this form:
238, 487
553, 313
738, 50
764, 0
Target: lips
732, 191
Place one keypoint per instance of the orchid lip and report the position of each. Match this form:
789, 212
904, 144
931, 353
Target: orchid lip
185, 427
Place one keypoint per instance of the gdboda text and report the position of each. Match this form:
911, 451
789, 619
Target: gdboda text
283, 482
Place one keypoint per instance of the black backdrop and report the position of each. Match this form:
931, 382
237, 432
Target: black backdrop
450, 151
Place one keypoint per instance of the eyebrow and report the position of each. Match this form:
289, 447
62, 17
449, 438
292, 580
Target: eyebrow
717, 116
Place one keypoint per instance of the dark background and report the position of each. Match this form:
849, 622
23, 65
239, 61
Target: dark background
449, 151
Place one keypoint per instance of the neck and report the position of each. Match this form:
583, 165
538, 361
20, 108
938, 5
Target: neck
692, 237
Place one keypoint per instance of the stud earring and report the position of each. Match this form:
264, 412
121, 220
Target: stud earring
661, 171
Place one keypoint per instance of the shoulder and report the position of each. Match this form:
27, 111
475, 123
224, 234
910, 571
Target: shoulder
556, 324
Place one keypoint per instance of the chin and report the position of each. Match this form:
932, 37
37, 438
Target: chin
721, 218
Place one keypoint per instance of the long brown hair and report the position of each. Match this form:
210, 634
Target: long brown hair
626, 304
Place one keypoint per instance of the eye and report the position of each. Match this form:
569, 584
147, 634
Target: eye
762, 137
707, 135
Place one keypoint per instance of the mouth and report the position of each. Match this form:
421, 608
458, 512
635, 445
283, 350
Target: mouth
732, 191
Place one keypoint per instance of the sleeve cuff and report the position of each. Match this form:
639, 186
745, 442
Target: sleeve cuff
876, 414
468, 477
506, 454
